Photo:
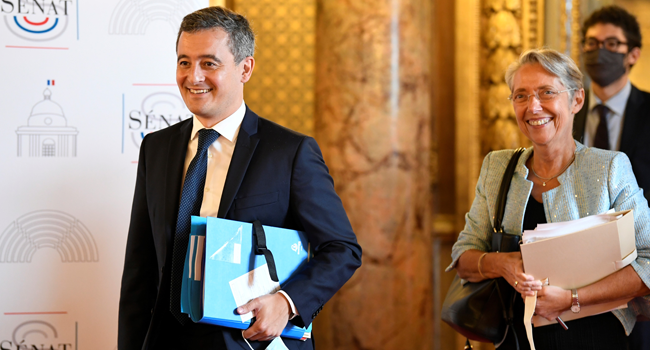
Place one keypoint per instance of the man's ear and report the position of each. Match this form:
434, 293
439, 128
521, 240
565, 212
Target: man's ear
633, 56
247, 65
578, 101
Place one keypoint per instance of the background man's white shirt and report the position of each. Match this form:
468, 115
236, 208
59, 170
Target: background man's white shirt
615, 117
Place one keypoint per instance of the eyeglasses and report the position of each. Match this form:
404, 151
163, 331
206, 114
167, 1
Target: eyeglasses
542, 95
611, 44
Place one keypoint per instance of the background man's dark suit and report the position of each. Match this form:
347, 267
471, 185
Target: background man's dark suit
635, 136
276, 176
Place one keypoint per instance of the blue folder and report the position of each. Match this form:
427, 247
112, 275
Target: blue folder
220, 257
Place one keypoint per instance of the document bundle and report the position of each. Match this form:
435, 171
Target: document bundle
222, 270
577, 253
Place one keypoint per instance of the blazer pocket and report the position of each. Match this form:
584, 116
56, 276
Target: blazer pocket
256, 200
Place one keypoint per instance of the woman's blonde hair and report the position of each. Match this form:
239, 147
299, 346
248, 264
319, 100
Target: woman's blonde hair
556, 63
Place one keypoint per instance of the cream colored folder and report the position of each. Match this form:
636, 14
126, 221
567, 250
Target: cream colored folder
581, 258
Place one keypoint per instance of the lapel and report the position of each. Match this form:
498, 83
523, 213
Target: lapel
174, 175
247, 140
631, 120
580, 120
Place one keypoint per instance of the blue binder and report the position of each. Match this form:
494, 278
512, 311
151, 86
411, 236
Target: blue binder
221, 267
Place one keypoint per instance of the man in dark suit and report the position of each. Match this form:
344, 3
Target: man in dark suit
254, 170
616, 115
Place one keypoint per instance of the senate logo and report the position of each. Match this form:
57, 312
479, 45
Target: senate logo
47, 229
36, 20
38, 334
133, 17
154, 111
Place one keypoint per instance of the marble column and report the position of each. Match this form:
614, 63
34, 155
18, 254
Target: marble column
373, 125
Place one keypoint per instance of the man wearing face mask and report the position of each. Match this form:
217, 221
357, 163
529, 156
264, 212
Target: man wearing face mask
616, 114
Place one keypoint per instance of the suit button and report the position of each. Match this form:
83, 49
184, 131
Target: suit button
152, 311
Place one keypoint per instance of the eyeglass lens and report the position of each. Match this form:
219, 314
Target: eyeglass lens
610, 44
542, 95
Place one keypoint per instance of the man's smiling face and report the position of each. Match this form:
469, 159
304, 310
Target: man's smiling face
210, 82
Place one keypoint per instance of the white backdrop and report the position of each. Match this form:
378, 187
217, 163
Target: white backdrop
81, 83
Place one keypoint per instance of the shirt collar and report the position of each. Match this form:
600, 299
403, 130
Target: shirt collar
227, 128
617, 103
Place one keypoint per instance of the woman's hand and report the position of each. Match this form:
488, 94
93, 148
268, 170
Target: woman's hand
495, 265
552, 302
512, 268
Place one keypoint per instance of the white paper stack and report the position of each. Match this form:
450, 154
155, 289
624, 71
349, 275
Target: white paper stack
578, 253
557, 229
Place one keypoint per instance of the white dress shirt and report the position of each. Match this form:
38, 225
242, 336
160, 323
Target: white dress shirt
219, 157
614, 116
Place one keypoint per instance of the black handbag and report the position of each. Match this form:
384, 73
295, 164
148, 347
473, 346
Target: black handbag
482, 311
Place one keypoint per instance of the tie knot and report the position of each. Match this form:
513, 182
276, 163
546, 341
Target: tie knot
206, 138
602, 111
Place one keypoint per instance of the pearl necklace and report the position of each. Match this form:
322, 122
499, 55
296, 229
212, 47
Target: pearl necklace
544, 179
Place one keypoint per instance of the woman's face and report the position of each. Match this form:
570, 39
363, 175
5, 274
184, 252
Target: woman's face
544, 122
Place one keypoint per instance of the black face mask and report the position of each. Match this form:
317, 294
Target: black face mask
603, 66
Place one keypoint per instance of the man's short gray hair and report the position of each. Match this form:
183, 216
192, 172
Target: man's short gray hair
241, 39
556, 63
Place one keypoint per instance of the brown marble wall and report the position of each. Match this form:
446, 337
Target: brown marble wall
373, 124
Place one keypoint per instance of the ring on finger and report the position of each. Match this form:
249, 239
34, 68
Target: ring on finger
516, 283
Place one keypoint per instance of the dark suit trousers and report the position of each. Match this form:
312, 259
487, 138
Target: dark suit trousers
173, 335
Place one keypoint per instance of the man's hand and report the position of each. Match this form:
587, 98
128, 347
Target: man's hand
271, 313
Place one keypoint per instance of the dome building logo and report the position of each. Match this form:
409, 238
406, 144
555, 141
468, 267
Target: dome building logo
47, 133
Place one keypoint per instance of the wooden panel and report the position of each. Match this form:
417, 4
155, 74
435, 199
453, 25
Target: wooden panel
443, 172
640, 74
282, 86
222, 3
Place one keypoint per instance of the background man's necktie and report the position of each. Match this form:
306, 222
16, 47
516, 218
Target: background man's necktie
191, 198
602, 134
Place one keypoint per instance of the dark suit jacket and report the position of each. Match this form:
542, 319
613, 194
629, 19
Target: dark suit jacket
635, 136
276, 176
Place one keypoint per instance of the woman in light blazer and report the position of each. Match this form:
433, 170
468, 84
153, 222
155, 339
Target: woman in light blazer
558, 179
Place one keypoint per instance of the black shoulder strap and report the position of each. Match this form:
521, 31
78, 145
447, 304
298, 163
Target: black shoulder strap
260, 248
503, 190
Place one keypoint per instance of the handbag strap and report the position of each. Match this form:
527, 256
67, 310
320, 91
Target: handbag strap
503, 190
508, 314
498, 220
